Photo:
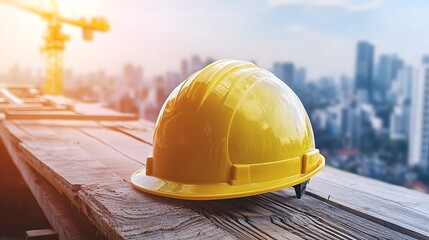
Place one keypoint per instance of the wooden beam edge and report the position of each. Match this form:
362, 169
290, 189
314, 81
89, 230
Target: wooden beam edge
66, 221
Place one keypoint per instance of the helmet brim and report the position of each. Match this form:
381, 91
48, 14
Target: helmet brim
186, 191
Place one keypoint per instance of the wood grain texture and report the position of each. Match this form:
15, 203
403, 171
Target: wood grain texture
123, 212
67, 115
281, 215
142, 130
91, 163
128, 146
100, 187
396, 207
41, 234
64, 218
402, 209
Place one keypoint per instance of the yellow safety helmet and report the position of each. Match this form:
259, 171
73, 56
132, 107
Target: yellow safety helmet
230, 130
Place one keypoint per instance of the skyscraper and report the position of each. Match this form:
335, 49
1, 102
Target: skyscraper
425, 59
196, 64
285, 72
364, 69
184, 69
300, 78
419, 125
401, 92
132, 75
346, 86
387, 71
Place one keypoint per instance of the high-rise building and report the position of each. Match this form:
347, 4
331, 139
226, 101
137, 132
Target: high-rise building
401, 88
364, 69
425, 59
172, 80
184, 69
400, 91
300, 78
400, 121
387, 71
285, 71
209, 60
346, 86
132, 74
419, 125
359, 122
278, 70
196, 64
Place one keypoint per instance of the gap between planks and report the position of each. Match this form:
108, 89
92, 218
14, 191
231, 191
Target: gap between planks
324, 188
108, 219
64, 219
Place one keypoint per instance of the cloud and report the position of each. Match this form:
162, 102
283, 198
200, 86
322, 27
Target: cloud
295, 28
351, 5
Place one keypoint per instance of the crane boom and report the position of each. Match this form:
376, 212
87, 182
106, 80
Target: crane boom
98, 23
55, 40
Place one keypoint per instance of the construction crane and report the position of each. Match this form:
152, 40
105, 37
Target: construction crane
55, 39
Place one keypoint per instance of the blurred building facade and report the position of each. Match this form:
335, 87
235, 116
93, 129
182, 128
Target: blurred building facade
286, 72
387, 71
419, 139
375, 123
372, 123
400, 93
364, 69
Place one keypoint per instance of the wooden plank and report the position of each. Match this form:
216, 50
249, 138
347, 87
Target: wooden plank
59, 100
31, 107
275, 215
60, 123
49, 146
96, 109
57, 209
120, 211
39, 151
11, 106
402, 209
10, 96
385, 223
142, 129
70, 151
396, 207
281, 215
131, 147
67, 115
41, 234
134, 125
75, 144
36, 100
81, 107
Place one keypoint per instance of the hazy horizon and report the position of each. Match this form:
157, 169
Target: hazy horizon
320, 35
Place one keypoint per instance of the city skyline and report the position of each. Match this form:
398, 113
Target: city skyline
376, 73
374, 123
319, 35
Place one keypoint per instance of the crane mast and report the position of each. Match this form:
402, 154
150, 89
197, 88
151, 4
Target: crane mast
54, 39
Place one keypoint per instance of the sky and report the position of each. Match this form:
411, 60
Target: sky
320, 35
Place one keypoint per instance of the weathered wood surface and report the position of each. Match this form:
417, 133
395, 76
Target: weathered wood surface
10, 97
30, 107
68, 223
91, 163
95, 177
41, 234
66, 115
396, 207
